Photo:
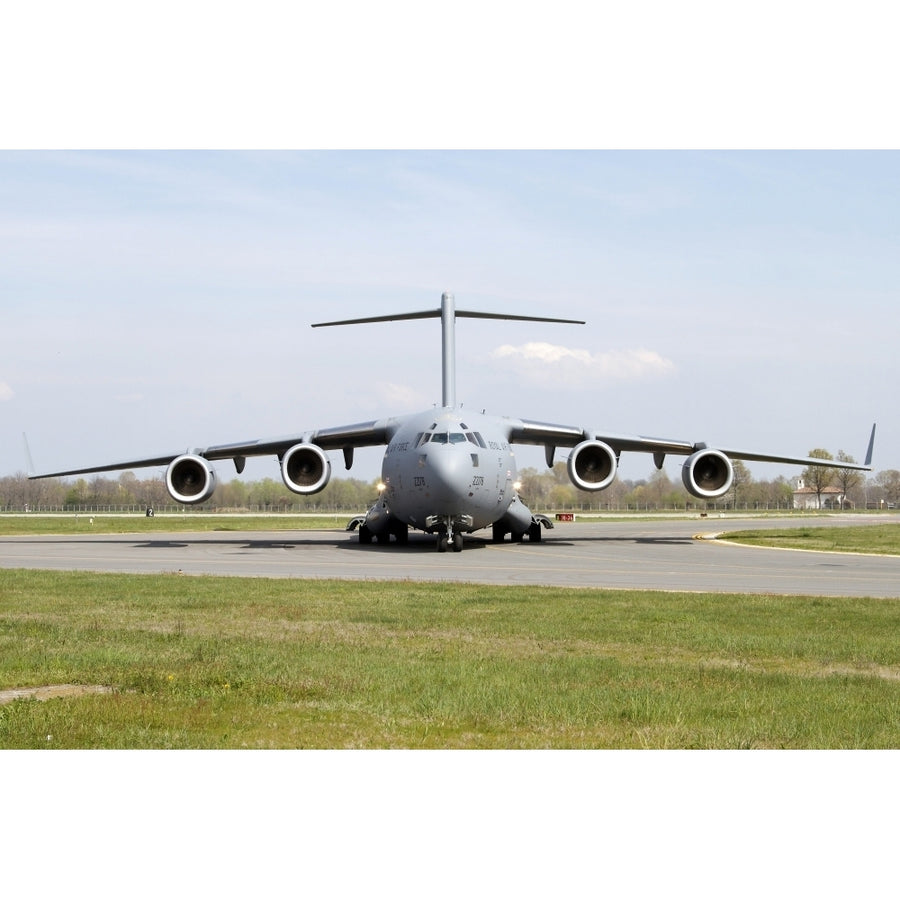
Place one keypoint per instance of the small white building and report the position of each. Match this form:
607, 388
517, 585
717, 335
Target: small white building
807, 498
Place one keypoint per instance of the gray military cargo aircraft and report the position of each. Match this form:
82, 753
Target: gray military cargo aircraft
449, 471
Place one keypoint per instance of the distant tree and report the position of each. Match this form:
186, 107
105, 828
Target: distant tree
129, 487
819, 477
347, 494
78, 493
638, 496
848, 480
265, 493
13, 491
781, 492
233, 495
659, 489
562, 496
560, 473
155, 492
535, 487
742, 480
889, 482
614, 495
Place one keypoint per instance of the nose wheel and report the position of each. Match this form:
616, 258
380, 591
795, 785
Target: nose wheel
448, 539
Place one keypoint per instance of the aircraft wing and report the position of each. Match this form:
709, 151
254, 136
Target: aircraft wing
342, 437
362, 434
524, 431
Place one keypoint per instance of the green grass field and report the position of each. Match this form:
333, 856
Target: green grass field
226, 662
113, 523
881, 539
204, 662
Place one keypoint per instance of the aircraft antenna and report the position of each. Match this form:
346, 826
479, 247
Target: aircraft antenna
448, 315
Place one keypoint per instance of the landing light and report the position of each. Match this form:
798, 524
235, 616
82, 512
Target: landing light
517, 485
381, 486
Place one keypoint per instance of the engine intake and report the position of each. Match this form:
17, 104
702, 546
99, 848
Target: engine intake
305, 468
190, 479
707, 474
592, 466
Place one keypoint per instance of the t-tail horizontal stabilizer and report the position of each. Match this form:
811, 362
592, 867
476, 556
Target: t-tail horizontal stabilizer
448, 315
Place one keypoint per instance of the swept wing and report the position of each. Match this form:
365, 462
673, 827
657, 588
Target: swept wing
525, 431
341, 437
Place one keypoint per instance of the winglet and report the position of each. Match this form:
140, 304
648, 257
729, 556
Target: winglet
29, 462
871, 446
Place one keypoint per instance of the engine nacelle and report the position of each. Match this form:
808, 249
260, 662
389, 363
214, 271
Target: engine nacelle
707, 474
190, 479
592, 466
305, 468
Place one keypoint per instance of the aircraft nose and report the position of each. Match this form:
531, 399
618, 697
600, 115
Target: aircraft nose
448, 472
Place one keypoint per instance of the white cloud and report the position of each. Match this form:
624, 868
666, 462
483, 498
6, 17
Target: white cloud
6, 392
399, 397
581, 367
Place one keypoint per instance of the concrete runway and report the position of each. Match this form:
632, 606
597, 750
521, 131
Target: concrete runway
660, 554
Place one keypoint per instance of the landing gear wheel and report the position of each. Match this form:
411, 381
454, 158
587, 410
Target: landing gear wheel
534, 531
365, 536
497, 533
442, 543
457, 542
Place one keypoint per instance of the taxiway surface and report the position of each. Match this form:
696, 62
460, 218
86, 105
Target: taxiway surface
662, 554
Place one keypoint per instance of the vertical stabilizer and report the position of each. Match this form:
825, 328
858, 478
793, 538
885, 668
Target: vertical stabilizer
448, 350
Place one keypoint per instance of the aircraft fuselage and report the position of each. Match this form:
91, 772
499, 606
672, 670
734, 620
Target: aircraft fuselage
449, 471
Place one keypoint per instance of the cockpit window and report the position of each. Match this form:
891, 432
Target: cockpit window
445, 437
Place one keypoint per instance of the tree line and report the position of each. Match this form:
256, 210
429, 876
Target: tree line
543, 491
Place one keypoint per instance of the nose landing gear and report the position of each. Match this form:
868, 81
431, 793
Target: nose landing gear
449, 538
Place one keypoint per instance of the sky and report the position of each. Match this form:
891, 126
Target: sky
158, 300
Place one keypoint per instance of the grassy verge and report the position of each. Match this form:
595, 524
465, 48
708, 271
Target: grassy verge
232, 662
883, 539
113, 523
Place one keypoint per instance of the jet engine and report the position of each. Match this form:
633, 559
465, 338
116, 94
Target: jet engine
707, 474
592, 466
305, 468
190, 479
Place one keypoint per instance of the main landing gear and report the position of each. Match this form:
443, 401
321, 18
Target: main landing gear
533, 532
395, 529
